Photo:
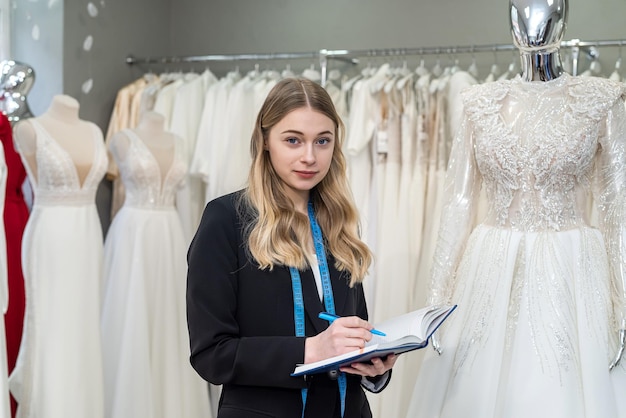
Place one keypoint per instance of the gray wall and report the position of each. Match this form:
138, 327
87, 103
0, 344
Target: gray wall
44, 55
302, 25
226, 26
62, 65
120, 28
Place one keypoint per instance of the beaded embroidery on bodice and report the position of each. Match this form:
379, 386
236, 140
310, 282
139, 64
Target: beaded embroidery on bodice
57, 180
534, 144
142, 179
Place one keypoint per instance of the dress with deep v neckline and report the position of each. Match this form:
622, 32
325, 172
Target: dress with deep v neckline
62, 157
159, 184
58, 373
144, 332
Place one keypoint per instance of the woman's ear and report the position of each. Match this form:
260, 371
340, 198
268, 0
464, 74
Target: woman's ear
265, 148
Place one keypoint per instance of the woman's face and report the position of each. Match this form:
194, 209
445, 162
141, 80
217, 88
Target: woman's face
301, 148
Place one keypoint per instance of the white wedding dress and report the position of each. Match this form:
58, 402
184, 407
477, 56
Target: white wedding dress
58, 373
539, 290
144, 329
5, 407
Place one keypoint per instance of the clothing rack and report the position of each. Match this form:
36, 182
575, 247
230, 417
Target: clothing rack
589, 48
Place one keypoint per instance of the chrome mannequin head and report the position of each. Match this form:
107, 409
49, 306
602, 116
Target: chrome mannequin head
16, 80
538, 27
16, 77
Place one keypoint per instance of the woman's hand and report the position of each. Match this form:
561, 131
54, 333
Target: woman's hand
343, 335
377, 367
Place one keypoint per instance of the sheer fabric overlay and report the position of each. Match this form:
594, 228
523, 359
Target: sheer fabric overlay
540, 286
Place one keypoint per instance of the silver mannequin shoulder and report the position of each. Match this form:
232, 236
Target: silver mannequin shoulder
16, 80
537, 27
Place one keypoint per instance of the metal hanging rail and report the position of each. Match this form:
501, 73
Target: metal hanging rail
131, 60
460, 49
324, 55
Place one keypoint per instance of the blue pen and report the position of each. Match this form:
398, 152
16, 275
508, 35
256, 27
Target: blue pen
330, 318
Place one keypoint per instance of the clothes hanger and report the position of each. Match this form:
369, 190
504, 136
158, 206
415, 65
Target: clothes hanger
510, 71
615, 75
595, 68
437, 70
312, 74
396, 73
406, 76
495, 69
287, 72
255, 72
454, 61
235, 74
473, 67
334, 75
421, 69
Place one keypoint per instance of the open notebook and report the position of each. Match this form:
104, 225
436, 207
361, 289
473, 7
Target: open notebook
404, 333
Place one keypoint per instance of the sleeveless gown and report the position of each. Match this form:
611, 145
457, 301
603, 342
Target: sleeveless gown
58, 373
537, 285
144, 328
15, 218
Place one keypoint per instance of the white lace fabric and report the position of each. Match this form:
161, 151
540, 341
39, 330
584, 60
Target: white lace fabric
145, 186
542, 151
57, 181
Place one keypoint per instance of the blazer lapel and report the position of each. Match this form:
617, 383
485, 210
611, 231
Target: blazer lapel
312, 304
340, 288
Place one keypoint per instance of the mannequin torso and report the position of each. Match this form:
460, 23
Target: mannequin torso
62, 123
151, 132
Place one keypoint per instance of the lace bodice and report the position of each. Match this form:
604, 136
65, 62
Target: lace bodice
540, 150
535, 145
141, 175
57, 179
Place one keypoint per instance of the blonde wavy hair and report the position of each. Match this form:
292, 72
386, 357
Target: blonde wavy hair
279, 234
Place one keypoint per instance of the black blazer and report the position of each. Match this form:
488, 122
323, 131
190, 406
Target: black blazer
241, 325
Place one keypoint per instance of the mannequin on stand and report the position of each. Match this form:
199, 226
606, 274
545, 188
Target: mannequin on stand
16, 80
144, 330
58, 373
539, 328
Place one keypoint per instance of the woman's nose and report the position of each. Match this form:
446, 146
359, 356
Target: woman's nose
308, 154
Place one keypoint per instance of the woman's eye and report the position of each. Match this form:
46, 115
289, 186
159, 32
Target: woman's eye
292, 140
323, 141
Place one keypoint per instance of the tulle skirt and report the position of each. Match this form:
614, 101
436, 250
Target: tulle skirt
533, 334
144, 330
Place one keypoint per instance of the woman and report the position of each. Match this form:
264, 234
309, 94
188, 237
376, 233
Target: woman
257, 281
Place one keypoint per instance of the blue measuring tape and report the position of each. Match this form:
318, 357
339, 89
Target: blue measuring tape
329, 302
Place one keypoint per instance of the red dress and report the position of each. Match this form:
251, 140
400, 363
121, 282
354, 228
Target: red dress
15, 217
